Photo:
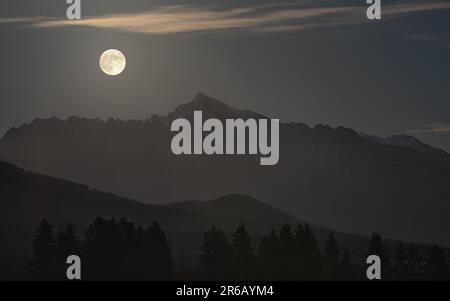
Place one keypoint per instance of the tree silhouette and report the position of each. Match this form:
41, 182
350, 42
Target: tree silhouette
103, 250
436, 265
66, 244
122, 251
111, 251
129, 257
244, 261
347, 271
287, 254
413, 263
161, 254
313, 257
215, 256
268, 253
300, 259
290, 256
43, 266
143, 258
400, 268
331, 258
376, 247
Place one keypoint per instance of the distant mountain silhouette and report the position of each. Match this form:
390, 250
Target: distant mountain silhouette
411, 142
211, 108
26, 198
332, 177
239, 207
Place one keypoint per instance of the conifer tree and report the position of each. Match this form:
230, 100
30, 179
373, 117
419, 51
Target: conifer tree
111, 251
128, 260
268, 253
160, 250
66, 244
286, 255
400, 268
300, 260
43, 266
376, 247
142, 257
215, 259
104, 247
313, 257
331, 258
413, 266
346, 269
244, 261
436, 265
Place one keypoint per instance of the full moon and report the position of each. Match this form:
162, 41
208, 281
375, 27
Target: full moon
112, 62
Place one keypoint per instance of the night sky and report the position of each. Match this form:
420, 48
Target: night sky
308, 61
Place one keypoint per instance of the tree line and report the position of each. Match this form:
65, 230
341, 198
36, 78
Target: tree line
281, 255
121, 250
111, 250
295, 254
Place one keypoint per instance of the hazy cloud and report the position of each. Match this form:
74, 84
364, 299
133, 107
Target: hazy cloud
35, 20
265, 18
185, 19
433, 128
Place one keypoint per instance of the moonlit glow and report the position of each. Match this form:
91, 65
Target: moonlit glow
112, 62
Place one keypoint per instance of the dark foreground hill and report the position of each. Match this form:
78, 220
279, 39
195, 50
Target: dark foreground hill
26, 198
333, 177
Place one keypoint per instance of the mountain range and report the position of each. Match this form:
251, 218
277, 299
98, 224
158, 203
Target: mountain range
334, 177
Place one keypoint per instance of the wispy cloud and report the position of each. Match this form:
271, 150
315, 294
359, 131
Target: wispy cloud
433, 128
263, 18
185, 19
393, 10
34, 20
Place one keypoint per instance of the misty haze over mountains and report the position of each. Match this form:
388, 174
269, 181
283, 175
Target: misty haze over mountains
332, 177
27, 198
